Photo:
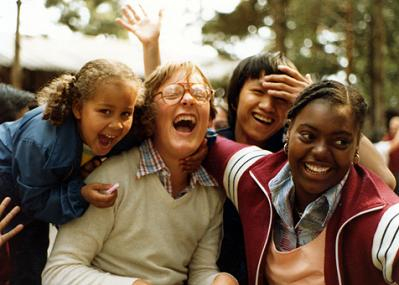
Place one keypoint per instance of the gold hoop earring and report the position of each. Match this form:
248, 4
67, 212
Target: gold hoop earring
285, 147
356, 158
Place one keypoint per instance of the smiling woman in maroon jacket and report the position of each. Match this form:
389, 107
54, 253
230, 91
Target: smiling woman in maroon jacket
310, 213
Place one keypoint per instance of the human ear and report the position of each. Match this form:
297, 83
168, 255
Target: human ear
76, 109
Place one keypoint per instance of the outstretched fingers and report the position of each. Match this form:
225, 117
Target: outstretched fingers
7, 219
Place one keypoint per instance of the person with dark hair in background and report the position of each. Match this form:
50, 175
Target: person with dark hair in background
389, 145
259, 94
220, 121
14, 103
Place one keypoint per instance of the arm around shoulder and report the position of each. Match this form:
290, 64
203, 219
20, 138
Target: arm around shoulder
370, 158
227, 161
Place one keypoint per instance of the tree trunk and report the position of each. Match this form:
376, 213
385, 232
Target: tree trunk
279, 14
376, 71
349, 38
16, 72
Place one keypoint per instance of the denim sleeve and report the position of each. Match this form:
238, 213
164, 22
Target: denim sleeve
48, 194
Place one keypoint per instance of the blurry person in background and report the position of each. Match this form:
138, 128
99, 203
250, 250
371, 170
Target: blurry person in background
389, 146
220, 121
14, 103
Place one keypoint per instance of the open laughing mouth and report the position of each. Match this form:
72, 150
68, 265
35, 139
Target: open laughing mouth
106, 140
262, 119
316, 169
185, 123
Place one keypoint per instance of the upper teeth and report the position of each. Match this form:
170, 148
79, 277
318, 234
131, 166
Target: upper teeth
316, 168
109, 136
185, 118
262, 118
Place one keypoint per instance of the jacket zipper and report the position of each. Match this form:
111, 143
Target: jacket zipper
268, 230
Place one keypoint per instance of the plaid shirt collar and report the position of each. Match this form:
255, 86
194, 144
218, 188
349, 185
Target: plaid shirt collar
313, 220
151, 162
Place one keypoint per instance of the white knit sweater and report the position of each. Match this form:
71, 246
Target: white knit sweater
146, 234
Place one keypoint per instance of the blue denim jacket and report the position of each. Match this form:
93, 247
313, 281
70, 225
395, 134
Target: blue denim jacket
43, 162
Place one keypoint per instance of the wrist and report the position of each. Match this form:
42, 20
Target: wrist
151, 44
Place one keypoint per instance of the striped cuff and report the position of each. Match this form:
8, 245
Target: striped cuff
386, 242
237, 165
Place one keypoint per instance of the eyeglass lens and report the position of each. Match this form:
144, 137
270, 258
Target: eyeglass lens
174, 92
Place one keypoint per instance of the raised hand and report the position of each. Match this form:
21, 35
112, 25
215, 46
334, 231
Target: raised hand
6, 220
286, 86
146, 30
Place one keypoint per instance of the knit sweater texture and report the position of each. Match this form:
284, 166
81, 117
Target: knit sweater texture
146, 234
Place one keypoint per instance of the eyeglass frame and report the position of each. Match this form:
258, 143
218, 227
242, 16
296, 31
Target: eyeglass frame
187, 88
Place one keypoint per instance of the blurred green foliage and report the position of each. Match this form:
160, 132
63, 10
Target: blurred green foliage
91, 17
316, 37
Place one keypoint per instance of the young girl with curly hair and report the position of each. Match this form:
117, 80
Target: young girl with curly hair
41, 155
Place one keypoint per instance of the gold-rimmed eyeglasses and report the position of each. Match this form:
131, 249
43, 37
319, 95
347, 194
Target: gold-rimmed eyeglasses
173, 93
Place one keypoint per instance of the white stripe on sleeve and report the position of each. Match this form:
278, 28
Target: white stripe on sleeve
237, 165
386, 242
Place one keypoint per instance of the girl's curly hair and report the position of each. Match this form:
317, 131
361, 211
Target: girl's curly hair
62, 92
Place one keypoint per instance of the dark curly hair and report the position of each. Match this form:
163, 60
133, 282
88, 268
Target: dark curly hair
334, 92
62, 92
